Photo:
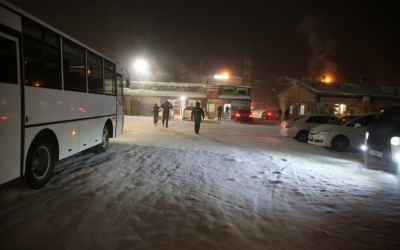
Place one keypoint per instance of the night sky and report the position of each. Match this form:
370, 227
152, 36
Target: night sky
288, 39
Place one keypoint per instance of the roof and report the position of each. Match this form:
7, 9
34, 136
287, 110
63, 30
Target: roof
369, 89
145, 92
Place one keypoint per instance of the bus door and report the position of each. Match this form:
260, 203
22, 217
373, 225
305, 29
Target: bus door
120, 106
10, 109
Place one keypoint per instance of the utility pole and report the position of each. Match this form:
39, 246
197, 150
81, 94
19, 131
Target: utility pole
247, 67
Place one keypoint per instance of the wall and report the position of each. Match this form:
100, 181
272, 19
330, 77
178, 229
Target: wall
297, 93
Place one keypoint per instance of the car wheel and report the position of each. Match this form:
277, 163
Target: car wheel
302, 136
340, 143
105, 138
39, 162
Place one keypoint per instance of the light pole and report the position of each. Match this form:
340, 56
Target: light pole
274, 97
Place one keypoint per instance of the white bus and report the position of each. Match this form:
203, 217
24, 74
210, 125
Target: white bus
58, 97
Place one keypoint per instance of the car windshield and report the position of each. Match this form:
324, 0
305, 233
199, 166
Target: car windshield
345, 119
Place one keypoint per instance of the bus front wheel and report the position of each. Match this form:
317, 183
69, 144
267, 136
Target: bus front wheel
39, 163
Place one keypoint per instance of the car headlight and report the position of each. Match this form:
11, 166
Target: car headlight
395, 141
325, 131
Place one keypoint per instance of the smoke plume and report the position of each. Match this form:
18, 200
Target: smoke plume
322, 48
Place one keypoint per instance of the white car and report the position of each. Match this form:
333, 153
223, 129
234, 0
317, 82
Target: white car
348, 131
300, 126
187, 112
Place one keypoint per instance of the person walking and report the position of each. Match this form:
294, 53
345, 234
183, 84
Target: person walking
166, 106
220, 109
286, 114
197, 114
156, 110
227, 108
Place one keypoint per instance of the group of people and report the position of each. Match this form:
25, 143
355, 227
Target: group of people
220, 109
286, 113
197, 115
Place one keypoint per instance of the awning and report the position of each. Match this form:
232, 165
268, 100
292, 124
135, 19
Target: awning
235, 97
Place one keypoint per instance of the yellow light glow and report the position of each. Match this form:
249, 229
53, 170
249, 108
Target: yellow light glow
327, 79
73, 132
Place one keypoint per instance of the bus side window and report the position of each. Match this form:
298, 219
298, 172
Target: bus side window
35, 72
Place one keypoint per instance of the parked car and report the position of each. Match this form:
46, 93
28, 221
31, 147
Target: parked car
233, 113
383, 135
171, 113
348, 131
243, 115
187, 112
270, 114
300, 126
257, 113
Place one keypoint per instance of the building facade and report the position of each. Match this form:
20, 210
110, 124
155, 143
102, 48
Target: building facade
140, 97
315, 97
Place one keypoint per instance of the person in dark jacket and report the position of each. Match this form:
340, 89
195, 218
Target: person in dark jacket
286, 114
167, 106
220, 109
156, 109
197, 114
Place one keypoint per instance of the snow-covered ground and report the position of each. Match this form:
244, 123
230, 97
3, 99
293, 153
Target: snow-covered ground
234, 186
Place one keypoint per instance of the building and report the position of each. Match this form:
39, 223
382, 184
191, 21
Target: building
316, 97
141, 96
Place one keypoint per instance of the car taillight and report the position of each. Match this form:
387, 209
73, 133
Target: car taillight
237, 115
250, 115
286, 125
269, 113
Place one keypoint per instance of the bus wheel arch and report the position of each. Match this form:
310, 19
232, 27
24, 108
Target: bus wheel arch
40, 160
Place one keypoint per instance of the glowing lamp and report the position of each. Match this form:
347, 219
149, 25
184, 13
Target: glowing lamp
395, 141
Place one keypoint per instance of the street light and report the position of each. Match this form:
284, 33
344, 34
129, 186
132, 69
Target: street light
224, 77
140, 66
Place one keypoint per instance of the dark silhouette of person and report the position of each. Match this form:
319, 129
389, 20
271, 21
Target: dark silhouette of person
286, 114
220, 109
197, 114
156, 110
167, 106
280, 113
227, 108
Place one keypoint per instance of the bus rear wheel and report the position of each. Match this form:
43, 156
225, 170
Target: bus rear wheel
39, 163
105, 138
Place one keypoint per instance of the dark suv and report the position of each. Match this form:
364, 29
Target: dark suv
243, 115
383, 134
